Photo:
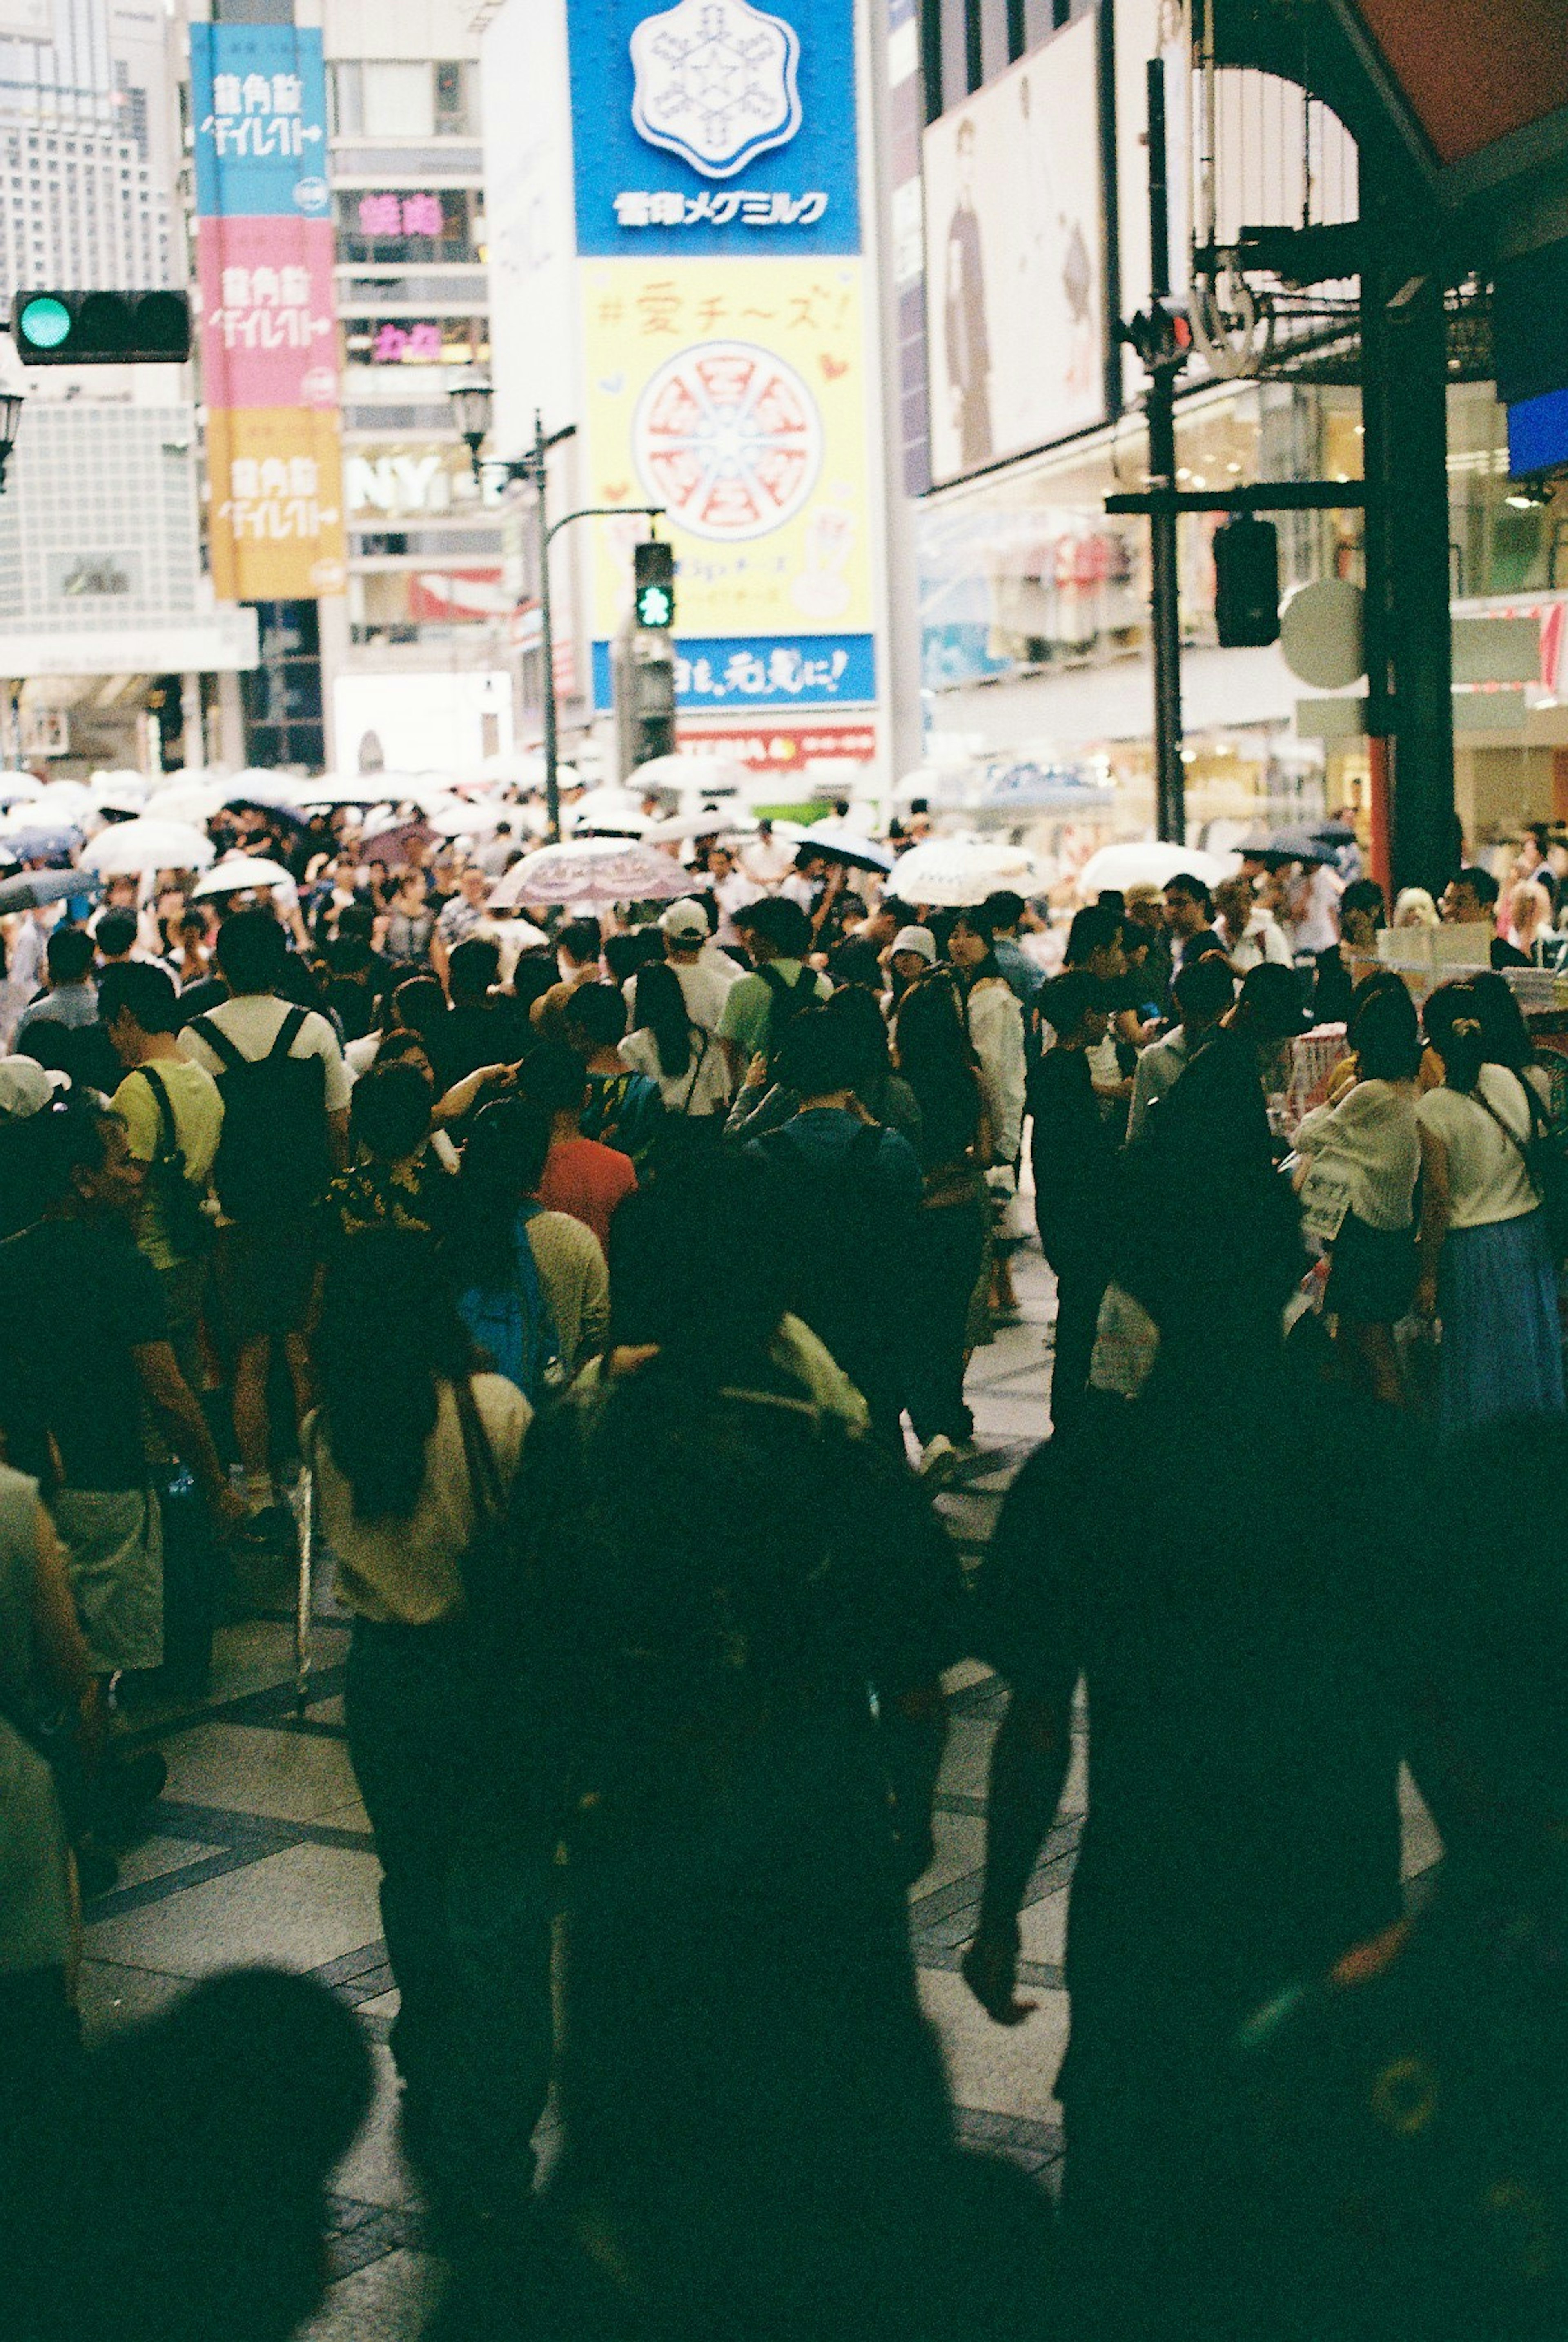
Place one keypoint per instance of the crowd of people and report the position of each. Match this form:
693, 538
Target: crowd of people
613, 1299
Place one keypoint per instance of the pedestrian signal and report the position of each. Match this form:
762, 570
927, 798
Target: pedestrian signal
654, 581
1247, 582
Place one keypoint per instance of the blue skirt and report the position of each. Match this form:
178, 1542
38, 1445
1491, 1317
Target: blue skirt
1501, 1351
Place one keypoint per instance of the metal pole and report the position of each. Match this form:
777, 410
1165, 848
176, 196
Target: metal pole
546, 631
1165, 585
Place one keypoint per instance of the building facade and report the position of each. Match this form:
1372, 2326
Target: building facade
426, 596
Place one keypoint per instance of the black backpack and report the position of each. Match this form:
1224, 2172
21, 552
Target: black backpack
271, 1161
179, 1200
784, 1004
836, 1229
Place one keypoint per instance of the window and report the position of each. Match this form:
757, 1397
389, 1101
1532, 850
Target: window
456, 101
345, 99
399, 101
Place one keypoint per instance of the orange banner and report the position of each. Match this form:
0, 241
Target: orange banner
275, 526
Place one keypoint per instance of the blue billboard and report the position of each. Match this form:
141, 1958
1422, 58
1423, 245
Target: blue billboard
258, 105
714, 126
737, 672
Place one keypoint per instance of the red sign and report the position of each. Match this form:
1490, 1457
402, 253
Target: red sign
781, 748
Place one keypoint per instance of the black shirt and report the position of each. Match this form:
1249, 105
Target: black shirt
1073, 1153
1244, 1655
76, 1298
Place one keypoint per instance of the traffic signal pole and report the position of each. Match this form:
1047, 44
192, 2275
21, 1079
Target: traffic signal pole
1164, 582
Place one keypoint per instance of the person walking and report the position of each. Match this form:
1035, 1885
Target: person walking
1487, 1270
1073, 1155
993, 1018
414, 1453
934, 1057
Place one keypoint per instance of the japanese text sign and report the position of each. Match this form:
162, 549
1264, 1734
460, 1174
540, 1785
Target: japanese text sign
707, 126
258, 107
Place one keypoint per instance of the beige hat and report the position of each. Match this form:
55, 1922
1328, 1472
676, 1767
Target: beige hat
685, 918
916, 939
25, 1088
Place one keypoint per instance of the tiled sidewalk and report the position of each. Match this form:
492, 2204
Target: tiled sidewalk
260, 1851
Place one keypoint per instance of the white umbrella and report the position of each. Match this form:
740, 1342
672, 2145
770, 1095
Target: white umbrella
591, 870
612, 811
704, 775
1148, 862
129, 848
839, 843
191, 800
15, 786
240, 874
702, 821
114, 797
35, 812
450, 817
64, 800
952, 872
274, 792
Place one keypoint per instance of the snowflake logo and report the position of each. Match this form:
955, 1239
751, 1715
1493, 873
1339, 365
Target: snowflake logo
715, 83
729, 439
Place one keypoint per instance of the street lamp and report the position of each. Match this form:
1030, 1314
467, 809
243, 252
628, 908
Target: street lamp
473, 404
10, 423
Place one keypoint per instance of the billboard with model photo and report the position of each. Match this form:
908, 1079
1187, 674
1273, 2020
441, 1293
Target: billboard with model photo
1015, 280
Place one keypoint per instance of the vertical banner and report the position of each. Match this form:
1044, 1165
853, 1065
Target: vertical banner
268, 328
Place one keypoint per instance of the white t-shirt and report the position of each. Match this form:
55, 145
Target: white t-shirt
1486, 1176
703, 987
703, 1088
253, 1023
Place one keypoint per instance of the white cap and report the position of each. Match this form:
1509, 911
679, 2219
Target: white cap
25, 1088
685, 918
916, 939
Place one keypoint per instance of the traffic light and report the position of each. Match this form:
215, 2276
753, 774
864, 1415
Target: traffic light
1162, 335
101, 328
1247, 582
643, 681
654, 581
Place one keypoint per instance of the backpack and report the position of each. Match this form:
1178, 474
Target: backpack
271, 1161
178, 1198
833, 1227
515, 1323
784, 1006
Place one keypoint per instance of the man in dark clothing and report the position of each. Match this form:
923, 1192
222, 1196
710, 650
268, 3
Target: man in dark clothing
1189, 918
1211, 1237
1073, 1153
485, 1026
846, 1190
1247, 1694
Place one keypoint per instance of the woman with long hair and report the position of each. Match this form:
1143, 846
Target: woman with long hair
412, 1456
1487, 1271
668, 1045
936, 1058
994, 1020
532, 1285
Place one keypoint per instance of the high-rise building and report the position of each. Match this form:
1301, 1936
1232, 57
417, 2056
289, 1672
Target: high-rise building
103, 596
422, 628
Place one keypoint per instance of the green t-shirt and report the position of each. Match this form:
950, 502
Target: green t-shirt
748, 1011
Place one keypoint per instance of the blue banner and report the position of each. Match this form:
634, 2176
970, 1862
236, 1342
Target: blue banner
710, 127
258, 103
739, 671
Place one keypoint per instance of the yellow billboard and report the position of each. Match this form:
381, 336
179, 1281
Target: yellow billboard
734, 392
275, 526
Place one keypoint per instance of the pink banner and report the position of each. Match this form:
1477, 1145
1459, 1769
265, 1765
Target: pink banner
269, 335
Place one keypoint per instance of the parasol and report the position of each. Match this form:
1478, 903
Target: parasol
599, 870
240, 874
838, 844
950, 872
1148, 862
131, 847
36, 886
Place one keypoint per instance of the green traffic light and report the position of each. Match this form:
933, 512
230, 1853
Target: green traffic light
46, 322
656, 606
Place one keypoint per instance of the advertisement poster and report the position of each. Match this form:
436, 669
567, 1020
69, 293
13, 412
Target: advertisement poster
259, 112
735, 398
714, 126
269, 332
1014, 256
275, 522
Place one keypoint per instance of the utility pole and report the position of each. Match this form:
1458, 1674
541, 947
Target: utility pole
1164, 362
542, 447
